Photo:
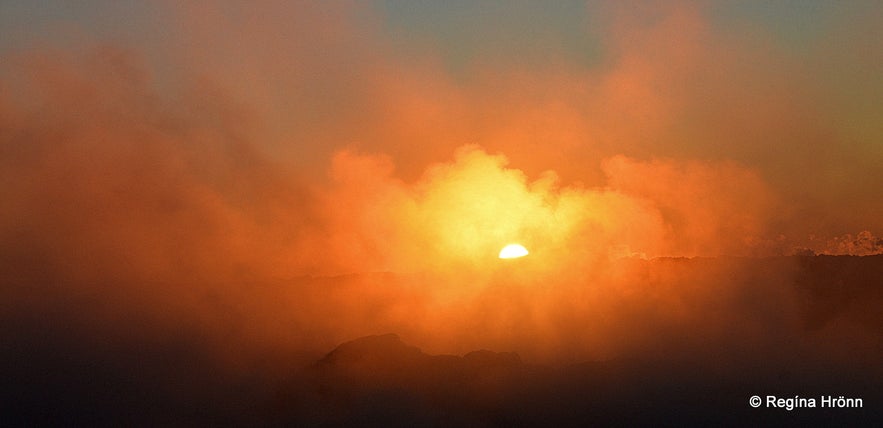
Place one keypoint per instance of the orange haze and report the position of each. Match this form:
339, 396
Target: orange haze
279, 187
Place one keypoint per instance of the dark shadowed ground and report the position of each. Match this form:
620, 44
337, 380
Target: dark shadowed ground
60, 369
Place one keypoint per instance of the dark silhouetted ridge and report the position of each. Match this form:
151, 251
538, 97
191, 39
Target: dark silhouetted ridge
382, 380
378, 347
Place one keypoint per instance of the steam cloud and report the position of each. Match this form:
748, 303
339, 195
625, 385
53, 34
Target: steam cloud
307, 183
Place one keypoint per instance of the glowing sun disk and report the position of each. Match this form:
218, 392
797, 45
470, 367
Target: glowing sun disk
513, 251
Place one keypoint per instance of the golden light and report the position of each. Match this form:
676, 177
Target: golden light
513, 251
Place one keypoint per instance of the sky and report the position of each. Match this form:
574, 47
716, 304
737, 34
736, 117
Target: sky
230, 173
786, 91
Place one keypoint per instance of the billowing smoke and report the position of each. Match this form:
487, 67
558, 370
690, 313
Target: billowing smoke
265, 188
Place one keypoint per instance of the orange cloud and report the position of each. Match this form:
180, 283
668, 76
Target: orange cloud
222, 200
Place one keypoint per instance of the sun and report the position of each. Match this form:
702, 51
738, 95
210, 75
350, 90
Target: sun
513, 251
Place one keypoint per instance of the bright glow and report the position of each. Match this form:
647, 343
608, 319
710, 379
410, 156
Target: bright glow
513, 251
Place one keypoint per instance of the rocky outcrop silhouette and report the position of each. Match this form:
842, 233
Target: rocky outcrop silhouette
380, 379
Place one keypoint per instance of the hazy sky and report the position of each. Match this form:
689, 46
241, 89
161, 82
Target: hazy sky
785, 92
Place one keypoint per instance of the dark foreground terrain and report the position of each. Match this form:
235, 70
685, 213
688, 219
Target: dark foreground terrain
56, 372
379, 380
